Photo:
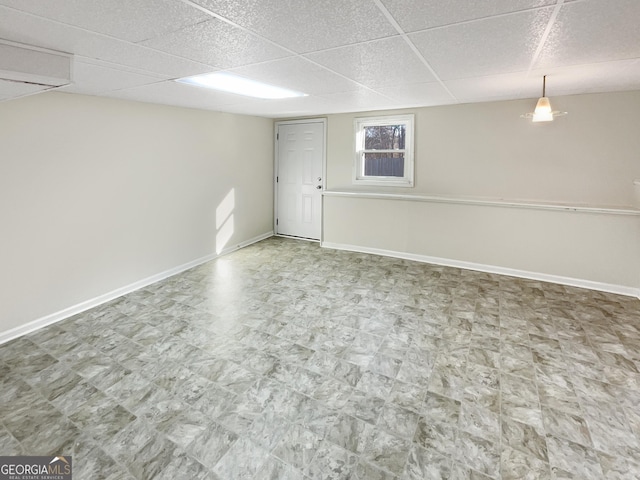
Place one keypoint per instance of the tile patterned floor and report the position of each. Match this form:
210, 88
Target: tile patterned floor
287, 361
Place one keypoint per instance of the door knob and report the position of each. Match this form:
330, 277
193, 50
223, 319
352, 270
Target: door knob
319, 179
319, 187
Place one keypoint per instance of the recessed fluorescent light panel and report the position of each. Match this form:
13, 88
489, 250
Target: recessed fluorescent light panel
227, 82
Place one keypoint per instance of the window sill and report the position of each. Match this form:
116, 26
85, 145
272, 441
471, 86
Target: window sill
405, 183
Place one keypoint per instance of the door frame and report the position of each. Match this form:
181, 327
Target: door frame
323, 121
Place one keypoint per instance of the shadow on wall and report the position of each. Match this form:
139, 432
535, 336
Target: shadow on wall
224, 220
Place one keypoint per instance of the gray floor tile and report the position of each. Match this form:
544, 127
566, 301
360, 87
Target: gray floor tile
517, 465
332, 463
211, 444
423, 463
298, 447
387, 451
477, 453
242, 460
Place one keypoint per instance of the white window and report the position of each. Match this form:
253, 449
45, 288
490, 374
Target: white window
384, 151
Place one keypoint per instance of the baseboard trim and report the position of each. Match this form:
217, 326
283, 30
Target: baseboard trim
569, 281
99, 300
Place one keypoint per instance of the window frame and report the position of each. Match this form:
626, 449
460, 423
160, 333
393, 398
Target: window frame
359, 178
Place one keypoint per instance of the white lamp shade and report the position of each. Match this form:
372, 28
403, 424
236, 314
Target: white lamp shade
543, 112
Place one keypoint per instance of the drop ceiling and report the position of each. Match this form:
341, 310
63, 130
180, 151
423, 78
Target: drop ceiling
347, 55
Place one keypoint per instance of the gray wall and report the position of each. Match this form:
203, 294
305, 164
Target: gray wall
97, 194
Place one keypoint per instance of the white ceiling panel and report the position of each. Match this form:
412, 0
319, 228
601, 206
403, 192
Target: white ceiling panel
376, 64
286, 108
298, 74
359, 100
178, 94
129, 20
93, 78
496, 45
217, 43
31, 30
306, 25
593, 31
143, 59
417, 94
413, 16
495, 87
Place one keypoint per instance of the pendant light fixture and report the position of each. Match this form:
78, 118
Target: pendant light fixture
543, 112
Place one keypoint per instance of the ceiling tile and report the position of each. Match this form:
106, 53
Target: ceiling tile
359, 100
285, 108
306, 25
91, 78
298, 74
417, 94
413, 16
217, 43
494, 87
129, 20
141, 58
376, 64
31, 30
496, 45
178, 94
593, 31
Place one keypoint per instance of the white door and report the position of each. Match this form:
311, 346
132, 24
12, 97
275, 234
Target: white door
300, 154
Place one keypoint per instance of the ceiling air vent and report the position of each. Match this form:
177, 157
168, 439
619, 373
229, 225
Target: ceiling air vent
25, 70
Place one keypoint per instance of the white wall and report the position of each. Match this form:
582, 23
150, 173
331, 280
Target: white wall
485, 151
97, 194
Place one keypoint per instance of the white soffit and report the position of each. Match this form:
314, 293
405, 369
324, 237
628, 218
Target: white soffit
25, 70
25, 63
